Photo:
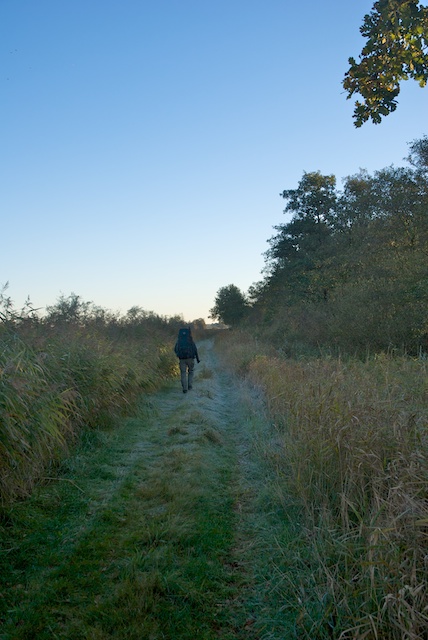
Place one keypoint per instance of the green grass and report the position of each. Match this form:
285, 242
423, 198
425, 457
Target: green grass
289, 506
169, 526
128, 544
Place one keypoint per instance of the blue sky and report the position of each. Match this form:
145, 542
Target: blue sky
144, 143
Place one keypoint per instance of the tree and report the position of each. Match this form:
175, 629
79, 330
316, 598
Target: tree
230, 306
314, 199
299, 246
357, 204
198, 324
418, 156
313, 205
70, 310
350, 267
396, 50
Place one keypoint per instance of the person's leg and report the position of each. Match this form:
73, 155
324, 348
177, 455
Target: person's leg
191, 367
183, 374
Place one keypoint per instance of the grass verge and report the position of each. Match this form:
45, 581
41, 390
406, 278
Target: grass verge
126, 543
56, 380
129, 541
352, 454
169, 526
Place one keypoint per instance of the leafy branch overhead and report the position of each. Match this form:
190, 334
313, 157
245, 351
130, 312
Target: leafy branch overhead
396, 50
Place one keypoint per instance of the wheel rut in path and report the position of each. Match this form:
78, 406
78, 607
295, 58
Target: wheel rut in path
235, 412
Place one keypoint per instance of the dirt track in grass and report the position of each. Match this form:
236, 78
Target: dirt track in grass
167, 527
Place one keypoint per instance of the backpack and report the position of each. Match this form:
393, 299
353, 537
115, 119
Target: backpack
184, 346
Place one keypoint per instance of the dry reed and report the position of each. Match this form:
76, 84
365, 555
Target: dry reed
57, 379
354, 453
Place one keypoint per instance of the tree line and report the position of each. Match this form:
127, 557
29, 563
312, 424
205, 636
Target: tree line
350, 268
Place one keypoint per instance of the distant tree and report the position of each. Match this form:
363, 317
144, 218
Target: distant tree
418, 156
396, 50
74, 310
357, 202
314, 199
70, 309
313, 205
135, 314
198, 324
231, 306
300, 245
350, 269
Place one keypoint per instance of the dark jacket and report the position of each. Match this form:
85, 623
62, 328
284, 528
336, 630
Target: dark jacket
192, 353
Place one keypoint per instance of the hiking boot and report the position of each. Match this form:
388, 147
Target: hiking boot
184, 390
190, 387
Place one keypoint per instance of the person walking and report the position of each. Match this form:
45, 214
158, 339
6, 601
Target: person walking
186, 351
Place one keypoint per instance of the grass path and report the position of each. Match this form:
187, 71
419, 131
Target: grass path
166, 528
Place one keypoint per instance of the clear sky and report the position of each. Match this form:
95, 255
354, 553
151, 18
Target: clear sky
144, 143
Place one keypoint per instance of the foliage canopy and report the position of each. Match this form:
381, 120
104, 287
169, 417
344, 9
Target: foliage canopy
396, 49
349, 270
230, 305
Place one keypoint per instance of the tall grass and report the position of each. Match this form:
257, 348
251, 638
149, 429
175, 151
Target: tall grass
353, 451
136, 540
76, 368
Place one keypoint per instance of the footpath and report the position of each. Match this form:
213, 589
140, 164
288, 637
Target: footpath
168, 527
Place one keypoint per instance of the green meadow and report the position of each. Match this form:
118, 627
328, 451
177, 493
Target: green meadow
284, 495
280, 498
